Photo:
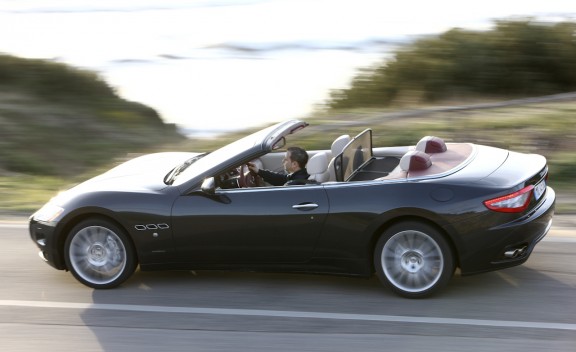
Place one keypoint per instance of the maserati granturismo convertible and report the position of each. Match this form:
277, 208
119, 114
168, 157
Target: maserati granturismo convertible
409, 214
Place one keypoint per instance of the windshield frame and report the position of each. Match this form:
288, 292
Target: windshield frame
242, 150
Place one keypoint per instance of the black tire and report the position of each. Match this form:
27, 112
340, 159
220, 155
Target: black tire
99, 254
413, 259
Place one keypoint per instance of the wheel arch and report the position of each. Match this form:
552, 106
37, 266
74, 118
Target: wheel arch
391, 221
72, 221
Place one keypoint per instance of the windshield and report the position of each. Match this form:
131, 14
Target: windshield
221, 155
175, 172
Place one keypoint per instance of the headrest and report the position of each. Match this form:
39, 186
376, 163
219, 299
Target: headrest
318, 163
431, 144
339, 144
415, 161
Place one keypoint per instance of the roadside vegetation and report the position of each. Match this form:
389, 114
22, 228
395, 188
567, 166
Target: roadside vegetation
521, 58
60, 125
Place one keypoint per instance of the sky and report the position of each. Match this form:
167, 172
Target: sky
218, 65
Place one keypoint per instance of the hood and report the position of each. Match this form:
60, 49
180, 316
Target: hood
148, 166
144, 173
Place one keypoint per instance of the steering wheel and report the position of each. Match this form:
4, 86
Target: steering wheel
247, 178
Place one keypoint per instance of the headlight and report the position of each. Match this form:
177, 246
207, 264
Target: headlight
48, 212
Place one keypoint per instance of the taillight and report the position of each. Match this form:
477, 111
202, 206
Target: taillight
512, 203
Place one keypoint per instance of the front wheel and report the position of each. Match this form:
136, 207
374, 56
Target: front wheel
99, 254
413, 259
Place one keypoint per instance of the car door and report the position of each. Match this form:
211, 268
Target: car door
251, 225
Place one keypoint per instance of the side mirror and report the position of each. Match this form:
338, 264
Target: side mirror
209, 186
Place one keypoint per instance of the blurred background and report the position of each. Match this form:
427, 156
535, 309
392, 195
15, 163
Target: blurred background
84, 84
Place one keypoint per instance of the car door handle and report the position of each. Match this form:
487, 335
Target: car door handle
306, 206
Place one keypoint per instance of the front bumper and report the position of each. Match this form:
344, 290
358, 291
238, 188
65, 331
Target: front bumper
43, 235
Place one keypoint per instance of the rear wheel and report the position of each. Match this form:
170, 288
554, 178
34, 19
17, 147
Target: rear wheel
413, 259
99, 254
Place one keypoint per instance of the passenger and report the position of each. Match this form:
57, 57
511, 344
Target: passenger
294, 163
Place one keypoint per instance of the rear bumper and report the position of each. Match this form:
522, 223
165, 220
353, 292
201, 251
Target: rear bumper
511, 244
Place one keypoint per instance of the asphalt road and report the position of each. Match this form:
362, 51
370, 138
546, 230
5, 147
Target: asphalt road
527, 308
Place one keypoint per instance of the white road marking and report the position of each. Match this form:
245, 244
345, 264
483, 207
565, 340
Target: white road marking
15, 225
291, 314
558, 239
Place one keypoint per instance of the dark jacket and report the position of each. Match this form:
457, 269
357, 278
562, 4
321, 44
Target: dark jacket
280, 179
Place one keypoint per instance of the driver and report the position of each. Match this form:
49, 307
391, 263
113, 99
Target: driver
294, 163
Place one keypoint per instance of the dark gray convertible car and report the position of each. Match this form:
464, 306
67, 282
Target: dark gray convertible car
411, 214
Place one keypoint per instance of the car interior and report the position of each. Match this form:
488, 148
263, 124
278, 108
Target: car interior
355, 159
